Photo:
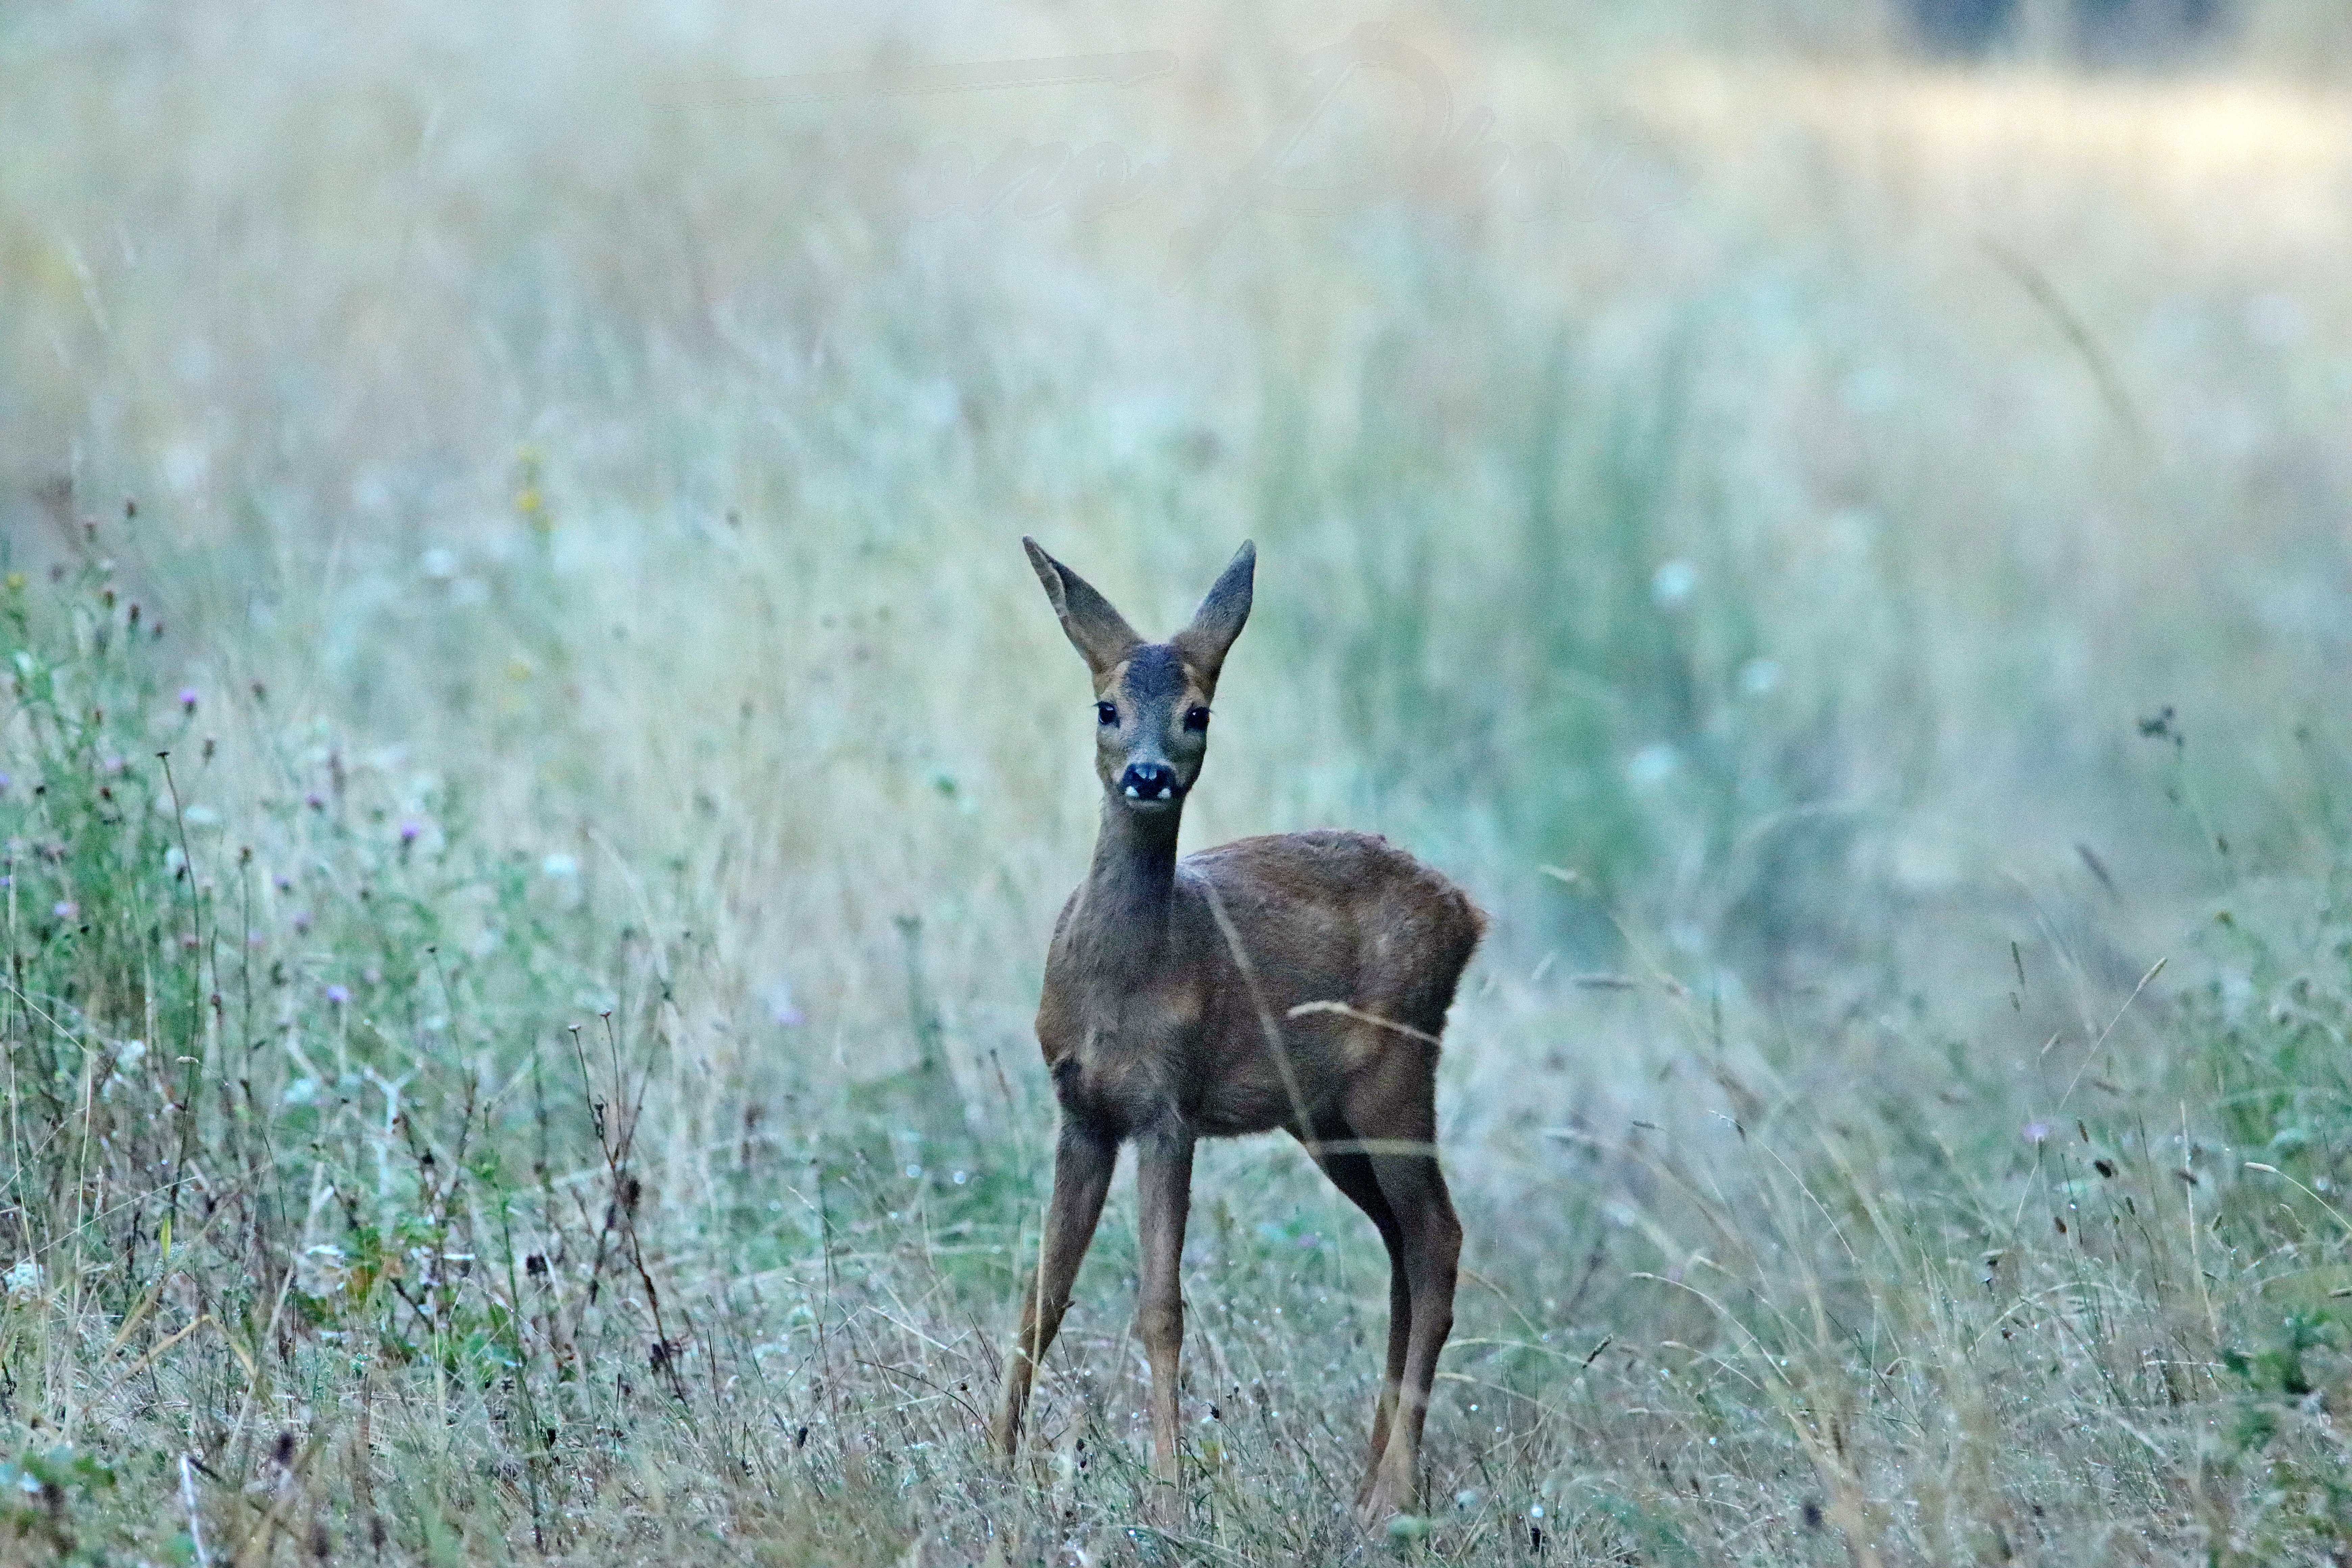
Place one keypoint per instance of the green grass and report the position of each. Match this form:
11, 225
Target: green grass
1845, 560
376, 1173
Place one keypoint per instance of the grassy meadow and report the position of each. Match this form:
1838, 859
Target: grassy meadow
535, 778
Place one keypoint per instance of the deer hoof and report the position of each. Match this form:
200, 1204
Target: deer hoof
1382, 1500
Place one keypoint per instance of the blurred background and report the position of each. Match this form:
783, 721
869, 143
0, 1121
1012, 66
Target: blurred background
1828, 516
1792, 497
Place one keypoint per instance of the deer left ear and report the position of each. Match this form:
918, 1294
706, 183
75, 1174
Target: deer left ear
1098, 632
1220, 617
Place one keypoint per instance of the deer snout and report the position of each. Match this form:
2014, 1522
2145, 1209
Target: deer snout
1149, 783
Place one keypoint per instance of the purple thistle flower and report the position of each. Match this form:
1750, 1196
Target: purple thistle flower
409, 829
337, 994
315, 801
4, 783
65, 909
187, 700
302, 921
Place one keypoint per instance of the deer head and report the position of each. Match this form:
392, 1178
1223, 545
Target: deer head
1151, 700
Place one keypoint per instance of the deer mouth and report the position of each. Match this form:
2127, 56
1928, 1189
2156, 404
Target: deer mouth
1150, 797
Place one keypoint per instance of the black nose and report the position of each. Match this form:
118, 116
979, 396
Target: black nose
1149, 781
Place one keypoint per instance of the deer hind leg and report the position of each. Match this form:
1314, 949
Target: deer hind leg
1393, 1111
1350, 1169
1083, 1162
1163, 1179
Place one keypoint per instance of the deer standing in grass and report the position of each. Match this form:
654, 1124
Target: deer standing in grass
1297, 982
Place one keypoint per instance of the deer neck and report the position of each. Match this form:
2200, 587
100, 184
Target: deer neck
1131, 893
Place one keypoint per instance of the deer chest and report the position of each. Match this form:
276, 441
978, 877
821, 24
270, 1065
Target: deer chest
1120, 1060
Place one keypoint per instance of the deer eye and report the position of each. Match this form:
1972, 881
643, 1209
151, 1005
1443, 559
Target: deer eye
1196, 720
1106, 715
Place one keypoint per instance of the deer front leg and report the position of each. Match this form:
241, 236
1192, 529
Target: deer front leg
1083, 1162
1163, 1177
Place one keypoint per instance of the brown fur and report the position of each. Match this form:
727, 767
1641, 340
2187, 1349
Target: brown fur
1297, 982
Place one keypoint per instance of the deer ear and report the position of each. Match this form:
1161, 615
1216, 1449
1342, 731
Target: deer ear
1220, 617
1098, 632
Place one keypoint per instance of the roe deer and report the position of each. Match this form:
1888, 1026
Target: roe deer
1297, 982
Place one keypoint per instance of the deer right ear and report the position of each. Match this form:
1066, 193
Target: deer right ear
1220, 617
1098, 632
